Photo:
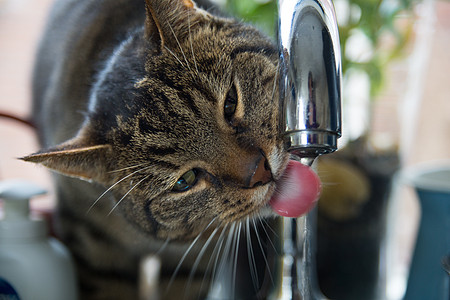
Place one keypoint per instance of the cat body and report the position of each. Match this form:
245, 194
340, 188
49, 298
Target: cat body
169, 114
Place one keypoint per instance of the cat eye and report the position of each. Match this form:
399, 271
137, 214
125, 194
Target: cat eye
186, 181
230, 104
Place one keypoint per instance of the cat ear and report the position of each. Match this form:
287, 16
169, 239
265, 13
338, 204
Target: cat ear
170, 21
75, 159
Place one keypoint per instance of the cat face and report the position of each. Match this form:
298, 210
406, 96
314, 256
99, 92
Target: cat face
182, 123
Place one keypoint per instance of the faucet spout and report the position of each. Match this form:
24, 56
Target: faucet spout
310, 103
310, 76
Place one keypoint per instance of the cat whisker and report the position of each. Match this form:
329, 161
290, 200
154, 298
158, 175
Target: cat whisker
216, 254
228, 260
175, 272
265, 224
235, 256
163, 247
190, 41
174, 55
181, 49
199, 257
224, 264
127, 168
264, 220
126, 194
112, 186
251, 255
262, 250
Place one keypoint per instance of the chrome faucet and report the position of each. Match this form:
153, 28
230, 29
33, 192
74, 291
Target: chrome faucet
310, 101
310, 81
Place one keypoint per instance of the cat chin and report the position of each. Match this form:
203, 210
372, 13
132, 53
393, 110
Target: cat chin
267, 212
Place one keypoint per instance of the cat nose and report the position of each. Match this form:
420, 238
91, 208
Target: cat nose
247, 169
261, 173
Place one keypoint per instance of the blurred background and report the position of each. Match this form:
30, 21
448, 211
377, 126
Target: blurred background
396, 98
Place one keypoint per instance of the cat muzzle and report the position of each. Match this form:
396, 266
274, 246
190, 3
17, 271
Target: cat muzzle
261, 174
249, 171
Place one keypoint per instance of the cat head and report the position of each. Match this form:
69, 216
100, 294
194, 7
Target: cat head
182, 122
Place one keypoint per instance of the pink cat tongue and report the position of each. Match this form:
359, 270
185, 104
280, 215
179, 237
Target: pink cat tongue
297, 192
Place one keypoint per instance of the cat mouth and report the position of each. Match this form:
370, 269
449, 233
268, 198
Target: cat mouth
292, 195
297, 191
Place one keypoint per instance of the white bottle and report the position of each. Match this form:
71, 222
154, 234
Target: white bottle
32, 265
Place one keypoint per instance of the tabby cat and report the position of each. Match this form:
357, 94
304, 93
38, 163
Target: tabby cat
169, 114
